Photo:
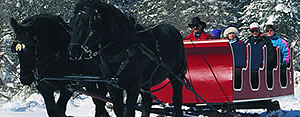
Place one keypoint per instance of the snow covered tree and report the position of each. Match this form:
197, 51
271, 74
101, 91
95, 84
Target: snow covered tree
217, 14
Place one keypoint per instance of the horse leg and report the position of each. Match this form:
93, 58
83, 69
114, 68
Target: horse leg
132, 95
48, 94
62, 102
99, 105
117, 98
177, 97
146, 103
100, 110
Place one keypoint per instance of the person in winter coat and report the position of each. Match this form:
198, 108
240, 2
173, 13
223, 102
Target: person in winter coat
231, 33
198, 30
278, 42
216, 33
258, 38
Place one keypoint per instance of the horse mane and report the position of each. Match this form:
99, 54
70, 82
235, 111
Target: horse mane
52, 27
117, 25
47, 18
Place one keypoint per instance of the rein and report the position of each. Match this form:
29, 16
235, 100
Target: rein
37, 71
45, 62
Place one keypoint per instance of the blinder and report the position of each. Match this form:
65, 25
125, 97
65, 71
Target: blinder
87, 52
17, 46
90, 20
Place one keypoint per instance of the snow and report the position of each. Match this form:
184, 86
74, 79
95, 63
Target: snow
82, 106
211, 1
271, 20
34, 107
283, 8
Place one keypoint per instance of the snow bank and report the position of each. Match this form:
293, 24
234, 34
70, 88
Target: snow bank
82, 106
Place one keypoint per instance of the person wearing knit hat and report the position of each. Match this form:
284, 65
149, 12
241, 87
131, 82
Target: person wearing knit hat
257, 37
280, 43
216, 33
254, 25
255, 30
231, 34
198, 30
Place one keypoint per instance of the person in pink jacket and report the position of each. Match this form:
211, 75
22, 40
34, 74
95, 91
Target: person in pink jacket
279, 42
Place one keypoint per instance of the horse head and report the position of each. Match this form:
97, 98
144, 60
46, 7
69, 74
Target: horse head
25, 50
96, 25
35, 38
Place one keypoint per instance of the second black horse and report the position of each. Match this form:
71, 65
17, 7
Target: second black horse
135, 60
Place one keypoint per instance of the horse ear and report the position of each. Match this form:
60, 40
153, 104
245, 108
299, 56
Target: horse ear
15, 25
18, 28
62, 22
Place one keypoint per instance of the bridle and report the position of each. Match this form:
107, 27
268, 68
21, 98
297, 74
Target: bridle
88, 53
40, 63
21, 49
86, 50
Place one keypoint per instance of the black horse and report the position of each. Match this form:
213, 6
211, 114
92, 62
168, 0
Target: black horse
42, 46
134, 59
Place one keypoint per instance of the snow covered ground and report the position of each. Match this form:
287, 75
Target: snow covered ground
82, 106
34, 107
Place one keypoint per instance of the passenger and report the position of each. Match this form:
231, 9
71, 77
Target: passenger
216, 33
258, 38
231, 34
198, 30
278, 42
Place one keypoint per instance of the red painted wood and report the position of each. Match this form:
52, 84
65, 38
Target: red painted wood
218, 55
263, 93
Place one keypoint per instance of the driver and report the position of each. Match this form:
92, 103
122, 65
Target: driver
198, 30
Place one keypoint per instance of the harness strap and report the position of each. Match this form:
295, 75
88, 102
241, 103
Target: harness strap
155, 90
37, 72
153, 96
124, 63
157, 46
153, 57
38, 79
56, 56
150, 53
151, 77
